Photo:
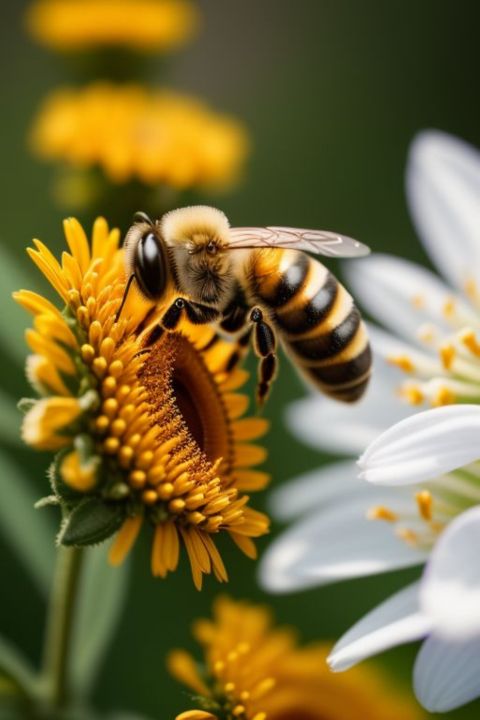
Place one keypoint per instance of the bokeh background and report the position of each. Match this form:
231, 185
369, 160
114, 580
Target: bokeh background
332, 92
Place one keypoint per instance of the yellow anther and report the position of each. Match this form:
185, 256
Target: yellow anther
418, 301
468, 338
176, 506
99, 366
125, 455
380, 512
426, 334
145, 459
102, 423
401, 361
245, 696
111, 445
471, 289
424, 502
229, 687
219, 666
408, 536
110, 407
109, 385
118, 427
88, 353
149, 497
447, 356
449, 307
238, 710
443, 396
116, 368
138, 479
156, 474
195, 518
412, 394
232, 656
165, 491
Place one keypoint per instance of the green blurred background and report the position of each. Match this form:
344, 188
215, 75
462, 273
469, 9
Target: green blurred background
332, 93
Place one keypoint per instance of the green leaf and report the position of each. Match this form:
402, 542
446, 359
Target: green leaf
14, 275
101, 601
92, 521
29, 532
10, 419
15, 669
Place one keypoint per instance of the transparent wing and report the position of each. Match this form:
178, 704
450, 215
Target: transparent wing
319, 242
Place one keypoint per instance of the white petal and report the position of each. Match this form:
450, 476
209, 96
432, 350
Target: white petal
337, 544
316, 489
450, 591
447, 673
395, 622
443, 190
338, 428
423, 446
400, 294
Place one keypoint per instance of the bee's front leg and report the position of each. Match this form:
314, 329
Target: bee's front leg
265, 343
197, 313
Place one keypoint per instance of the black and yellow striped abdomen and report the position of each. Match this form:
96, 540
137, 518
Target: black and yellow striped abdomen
316, 319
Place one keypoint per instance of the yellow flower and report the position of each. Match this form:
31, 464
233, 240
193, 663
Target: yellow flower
141, 25
255, 671
132, 133
150, 429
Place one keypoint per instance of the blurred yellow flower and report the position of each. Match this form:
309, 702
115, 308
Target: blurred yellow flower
255, 671
150, 429
132, 133
142, 25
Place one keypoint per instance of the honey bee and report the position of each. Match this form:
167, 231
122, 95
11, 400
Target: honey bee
259, 281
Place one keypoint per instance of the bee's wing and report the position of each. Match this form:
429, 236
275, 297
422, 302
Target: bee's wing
319, 242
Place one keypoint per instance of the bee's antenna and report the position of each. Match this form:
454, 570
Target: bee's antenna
125, 295
142, 217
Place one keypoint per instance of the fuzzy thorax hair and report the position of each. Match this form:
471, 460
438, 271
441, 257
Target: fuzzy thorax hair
182, 224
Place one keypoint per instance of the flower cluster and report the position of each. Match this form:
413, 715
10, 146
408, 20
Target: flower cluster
149, 427
422, 500
142, 25
253, 670
132, 133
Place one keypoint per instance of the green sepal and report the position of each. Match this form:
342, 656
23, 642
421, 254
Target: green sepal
91, 522
47, 501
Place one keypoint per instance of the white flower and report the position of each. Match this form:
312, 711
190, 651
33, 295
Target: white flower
423, 473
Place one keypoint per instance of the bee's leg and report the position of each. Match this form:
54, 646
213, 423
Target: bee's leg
196, 312
264, 342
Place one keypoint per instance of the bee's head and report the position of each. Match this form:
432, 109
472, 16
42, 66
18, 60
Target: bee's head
146, 257
199, 228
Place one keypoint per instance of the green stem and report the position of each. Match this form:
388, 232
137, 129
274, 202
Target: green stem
60, 624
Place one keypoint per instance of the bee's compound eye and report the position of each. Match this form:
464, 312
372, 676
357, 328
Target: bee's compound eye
151, 266
212, 248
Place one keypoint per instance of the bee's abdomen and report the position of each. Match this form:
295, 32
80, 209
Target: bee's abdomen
318, 322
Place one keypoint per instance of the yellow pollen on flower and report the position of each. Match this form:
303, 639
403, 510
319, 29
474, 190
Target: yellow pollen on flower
407, 535
141, 25
418, 301
164, 137
424, 503
447, 355
471, 289
403, 362
381, 512
449, 308
280, 680
469, 339
412, 394
443, 396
